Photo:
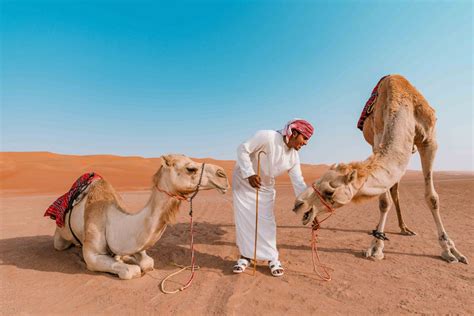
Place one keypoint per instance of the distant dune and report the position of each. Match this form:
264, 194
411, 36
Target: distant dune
45, 172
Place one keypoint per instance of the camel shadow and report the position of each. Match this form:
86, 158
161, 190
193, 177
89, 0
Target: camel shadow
37, 253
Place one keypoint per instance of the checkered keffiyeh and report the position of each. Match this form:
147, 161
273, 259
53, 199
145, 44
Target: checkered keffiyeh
302, 126
58, 210
369, 105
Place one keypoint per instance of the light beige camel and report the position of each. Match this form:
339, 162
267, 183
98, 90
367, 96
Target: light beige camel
114, 239
369, 135
401, 119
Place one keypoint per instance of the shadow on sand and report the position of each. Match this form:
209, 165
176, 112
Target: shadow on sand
37, 252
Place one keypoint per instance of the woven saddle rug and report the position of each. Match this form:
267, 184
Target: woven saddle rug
369, 105
58, 210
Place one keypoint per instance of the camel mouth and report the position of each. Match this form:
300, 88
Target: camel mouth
221, 188
308, 216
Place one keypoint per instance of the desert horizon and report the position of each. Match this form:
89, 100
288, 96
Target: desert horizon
32, 172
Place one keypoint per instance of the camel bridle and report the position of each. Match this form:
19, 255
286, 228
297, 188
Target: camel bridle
181, 197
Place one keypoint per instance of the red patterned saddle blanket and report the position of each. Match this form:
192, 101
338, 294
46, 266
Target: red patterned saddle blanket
58, 210
369, 105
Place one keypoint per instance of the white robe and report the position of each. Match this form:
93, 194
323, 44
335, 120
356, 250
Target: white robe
278, 159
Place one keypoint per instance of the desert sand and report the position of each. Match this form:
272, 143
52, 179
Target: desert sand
36, 279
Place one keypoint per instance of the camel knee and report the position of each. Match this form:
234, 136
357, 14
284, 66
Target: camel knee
91, 260
433, 201
384, 203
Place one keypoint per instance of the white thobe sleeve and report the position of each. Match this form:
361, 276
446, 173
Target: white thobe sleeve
254, 144
296, 177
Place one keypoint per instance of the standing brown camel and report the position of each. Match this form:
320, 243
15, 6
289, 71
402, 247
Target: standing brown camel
401, 119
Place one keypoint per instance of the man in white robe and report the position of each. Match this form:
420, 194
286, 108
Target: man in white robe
280, 154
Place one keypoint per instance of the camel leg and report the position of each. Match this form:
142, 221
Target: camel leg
376, 247
59, 242
427, 155
145, 262
105, 263
95, 255
403, 228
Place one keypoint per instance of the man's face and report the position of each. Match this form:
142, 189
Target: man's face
297, 140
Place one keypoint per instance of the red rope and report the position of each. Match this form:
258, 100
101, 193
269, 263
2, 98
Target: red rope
192, 267
193, 262
324, 274
175, 196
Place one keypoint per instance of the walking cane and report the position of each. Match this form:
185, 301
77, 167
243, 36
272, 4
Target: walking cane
256, 216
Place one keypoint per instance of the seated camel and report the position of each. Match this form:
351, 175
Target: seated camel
114, 239
401, 118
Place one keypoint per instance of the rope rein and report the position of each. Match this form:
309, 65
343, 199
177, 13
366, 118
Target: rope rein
324, 274
193, 266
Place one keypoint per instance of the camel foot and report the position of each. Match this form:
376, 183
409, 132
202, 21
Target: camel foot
371, 254
459, 256
130, 272
463, 260
145, 262
450, 253
407, 231
375, 251
449, 257
147, 266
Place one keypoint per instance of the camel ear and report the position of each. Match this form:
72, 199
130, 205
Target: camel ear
166, 161
333, 166
351, 176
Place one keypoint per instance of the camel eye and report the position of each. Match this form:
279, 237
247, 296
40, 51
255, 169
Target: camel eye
191, 169
328, 194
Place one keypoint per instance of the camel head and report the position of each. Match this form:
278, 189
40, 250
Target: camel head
336, 187
180, 175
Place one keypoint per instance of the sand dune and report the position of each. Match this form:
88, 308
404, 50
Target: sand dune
44, 172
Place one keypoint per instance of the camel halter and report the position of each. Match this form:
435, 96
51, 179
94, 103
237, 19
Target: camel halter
256, 217
324, 274
192, 267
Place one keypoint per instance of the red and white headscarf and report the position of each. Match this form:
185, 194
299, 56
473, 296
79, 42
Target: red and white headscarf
299, 125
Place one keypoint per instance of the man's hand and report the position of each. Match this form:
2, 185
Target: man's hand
255, 181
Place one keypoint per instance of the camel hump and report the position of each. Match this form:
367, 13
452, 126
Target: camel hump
101, 190
400, 89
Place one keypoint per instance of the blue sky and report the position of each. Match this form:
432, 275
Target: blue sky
148, 78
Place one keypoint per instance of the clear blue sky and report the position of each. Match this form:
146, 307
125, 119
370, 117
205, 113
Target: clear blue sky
148, 78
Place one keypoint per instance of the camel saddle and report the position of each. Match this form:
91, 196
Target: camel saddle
58, 210
369, 105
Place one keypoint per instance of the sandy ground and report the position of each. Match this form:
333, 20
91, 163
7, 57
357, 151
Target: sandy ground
36, 279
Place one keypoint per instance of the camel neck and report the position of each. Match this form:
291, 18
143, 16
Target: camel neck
391, 157
146, 226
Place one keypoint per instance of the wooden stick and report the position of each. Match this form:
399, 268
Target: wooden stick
256, 217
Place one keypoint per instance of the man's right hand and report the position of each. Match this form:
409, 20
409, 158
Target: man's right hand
255, 181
